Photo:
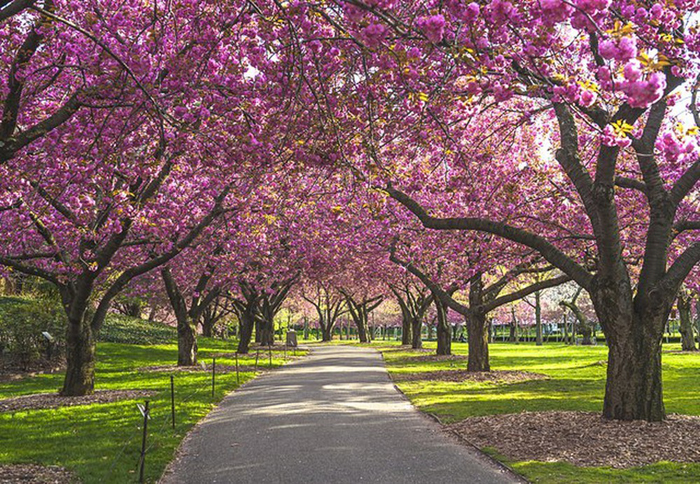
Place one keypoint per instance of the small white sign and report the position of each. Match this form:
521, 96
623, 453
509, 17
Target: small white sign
48, 336
142, 409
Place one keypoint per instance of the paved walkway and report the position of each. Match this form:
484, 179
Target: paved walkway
333, 417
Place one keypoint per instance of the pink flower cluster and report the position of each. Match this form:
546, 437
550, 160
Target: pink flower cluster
677, 149
374, 34
622, 49
573, 92
642, 91
433, 27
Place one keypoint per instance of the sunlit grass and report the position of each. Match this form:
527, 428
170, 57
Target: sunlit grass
576, 382
101, 442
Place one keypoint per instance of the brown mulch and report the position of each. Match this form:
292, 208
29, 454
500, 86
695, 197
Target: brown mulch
41, 401
11, 371
198, 369
434, 357
478, 376
584, 438
35, 474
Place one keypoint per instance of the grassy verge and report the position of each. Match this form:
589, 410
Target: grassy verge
101, 442
577, 382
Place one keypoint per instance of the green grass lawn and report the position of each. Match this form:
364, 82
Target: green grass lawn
577, 381
101, 442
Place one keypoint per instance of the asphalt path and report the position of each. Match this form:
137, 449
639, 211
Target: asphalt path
333, 417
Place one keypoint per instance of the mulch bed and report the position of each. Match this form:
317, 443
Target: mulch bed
35, 474
198, 369
476, 376
41, 401
584, 438
434, 357
11, 371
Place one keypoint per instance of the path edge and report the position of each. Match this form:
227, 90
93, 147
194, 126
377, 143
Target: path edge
435, 420
179, 451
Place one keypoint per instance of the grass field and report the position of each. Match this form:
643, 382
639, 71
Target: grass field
101, 442
577, 380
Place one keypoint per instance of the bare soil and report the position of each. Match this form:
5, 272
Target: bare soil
584, 438
477, 376
35, 474
40, 401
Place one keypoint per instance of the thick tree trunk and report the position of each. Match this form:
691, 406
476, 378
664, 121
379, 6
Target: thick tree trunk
186, 342
633, 389
208, 326
362, 331
258, 331
444, 330
80, 359
512, 336
327, 333
406, 336
686, 325
247, 323
416, 327
586, 331
477, 329
267, 338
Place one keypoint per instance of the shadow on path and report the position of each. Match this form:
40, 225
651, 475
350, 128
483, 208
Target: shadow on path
334, 417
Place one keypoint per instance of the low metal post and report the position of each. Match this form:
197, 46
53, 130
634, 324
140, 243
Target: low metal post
172, 399
143, 442
213, 377
238, 378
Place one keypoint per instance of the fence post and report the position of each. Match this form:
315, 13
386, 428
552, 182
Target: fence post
257, 355
172, 399
238, 378
269, 352
143, 442
213, 377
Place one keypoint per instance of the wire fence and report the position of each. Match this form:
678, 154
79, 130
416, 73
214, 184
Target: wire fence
157, 434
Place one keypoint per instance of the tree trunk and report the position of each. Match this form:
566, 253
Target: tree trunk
406, 336
246, 323
361, 324
267, 338
512, 336
80, 369
326, 333
208, 323
416, 327
258, 331
444, 330
686, 325
586, 331
186, 342
633, 329
477, 329
538, 319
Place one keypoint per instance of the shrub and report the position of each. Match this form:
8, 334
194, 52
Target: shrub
22, 322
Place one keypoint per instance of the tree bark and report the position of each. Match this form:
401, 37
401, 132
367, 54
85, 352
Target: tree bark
444, 330
686, 325
186, 342
326, 333
477, 330
416, 330
81, 358
634, 331
538, 319
406, 333
246, 321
